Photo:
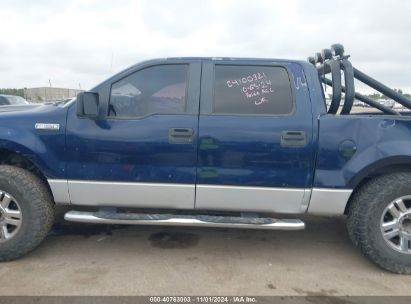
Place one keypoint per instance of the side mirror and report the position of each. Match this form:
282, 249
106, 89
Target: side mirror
88, 105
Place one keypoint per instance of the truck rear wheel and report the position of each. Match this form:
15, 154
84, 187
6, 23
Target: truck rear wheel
379, 221
26, 212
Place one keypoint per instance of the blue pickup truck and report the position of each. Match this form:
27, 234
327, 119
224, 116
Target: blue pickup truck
214, 142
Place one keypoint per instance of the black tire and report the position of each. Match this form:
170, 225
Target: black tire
367, 206
37, 210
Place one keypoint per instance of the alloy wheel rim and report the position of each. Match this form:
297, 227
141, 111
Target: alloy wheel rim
396, 224
10, 217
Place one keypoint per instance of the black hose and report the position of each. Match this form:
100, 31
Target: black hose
347, 67
382, 88
336, 79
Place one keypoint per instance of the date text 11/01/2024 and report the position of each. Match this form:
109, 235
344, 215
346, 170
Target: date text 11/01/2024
252, 86
203, 299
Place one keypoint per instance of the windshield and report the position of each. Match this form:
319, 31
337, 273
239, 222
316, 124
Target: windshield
16, 100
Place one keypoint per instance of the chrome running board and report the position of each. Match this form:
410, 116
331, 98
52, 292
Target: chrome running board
100, 217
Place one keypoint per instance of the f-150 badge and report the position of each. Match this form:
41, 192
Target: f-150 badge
47, 126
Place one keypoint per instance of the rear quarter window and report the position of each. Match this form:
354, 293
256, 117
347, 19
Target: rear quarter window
252, 90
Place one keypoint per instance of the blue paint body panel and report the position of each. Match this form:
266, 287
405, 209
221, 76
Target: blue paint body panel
46, 149
245, 150
248, 153
130, 150
380, 141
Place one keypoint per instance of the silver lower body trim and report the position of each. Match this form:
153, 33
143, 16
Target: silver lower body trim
60, 191
321, 201
328, 201
251, 199
89, 217
142, 195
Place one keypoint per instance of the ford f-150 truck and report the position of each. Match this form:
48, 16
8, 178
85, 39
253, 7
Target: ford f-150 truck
214, 142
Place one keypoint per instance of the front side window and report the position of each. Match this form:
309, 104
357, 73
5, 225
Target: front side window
154, 90
252, 90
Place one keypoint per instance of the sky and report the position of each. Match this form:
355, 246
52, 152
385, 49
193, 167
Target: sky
79, 43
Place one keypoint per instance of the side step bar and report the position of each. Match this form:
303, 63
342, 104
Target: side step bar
102, 217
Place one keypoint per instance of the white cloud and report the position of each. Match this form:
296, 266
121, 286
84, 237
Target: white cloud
73, 41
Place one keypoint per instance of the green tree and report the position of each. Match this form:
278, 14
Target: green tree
10, 91
375, 96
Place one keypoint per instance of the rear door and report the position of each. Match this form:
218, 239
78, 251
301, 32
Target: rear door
255, 138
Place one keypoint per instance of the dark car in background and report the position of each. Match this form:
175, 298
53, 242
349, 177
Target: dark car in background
7, 100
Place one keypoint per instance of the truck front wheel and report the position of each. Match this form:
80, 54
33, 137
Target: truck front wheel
26, 212
379, 221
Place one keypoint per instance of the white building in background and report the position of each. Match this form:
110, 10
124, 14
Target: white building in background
49, 94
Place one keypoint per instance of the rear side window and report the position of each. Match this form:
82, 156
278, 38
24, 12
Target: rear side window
3, 101
154, 90
253, 90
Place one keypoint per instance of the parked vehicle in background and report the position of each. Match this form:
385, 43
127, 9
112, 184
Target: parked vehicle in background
388, 103
11, 103
12, 100
213, 142
358, 103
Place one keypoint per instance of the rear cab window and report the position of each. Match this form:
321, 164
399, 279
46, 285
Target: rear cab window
252, 90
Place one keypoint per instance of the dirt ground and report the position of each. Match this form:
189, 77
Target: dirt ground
83, 259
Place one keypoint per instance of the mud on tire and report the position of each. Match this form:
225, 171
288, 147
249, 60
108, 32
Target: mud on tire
369, 215
26, 203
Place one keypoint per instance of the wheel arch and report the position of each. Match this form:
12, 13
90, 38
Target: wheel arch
22, 160
382, 167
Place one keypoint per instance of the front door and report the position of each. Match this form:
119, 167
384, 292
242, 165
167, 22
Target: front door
255, 140
144, 152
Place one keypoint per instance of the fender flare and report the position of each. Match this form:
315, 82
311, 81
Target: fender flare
386, 165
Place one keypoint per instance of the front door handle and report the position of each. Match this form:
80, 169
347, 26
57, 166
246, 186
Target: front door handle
180, 135
293, 139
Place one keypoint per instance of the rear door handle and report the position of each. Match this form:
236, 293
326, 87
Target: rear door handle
293, 139
180, 135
